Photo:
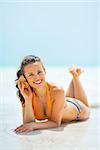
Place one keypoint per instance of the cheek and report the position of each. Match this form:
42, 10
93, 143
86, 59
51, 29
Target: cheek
42, 76
30, 80
30, 83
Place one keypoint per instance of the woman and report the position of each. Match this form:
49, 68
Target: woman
45, 101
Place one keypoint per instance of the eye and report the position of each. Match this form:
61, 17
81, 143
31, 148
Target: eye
31, 74
39, 72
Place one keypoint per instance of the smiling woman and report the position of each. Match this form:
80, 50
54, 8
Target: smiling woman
46, 101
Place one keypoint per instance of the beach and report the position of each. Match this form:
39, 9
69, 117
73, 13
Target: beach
71, 136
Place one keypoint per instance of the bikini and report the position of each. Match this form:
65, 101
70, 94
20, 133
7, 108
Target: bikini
77, 105
39, 114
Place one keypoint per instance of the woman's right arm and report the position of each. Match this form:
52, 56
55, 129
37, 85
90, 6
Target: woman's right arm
28, 112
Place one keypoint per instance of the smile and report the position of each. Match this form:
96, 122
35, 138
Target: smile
38, 82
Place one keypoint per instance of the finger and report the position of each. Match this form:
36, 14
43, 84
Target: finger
21, 130
23, 87
19, 127
19, 85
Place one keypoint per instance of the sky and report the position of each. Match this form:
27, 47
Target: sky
60, 33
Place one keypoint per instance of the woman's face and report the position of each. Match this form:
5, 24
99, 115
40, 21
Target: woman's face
35, 74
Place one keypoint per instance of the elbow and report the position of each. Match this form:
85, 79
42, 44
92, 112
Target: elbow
58, 124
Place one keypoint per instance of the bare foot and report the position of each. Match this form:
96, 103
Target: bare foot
75, 71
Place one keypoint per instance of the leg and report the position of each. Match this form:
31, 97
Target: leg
75, 89
70, 91
79, 92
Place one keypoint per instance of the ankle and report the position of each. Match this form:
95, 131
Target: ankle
75, 77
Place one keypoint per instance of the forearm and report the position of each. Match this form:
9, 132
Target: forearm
28, 113
45, 125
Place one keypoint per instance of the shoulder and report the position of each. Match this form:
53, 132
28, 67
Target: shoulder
56, 90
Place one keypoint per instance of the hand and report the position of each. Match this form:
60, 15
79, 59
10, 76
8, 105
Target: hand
26, 92
26, 127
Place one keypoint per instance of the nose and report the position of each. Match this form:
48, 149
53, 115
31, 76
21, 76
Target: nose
36, 77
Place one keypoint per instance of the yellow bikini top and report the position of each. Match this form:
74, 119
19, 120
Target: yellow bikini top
37, 111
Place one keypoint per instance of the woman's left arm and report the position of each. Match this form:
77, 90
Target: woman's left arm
56, 115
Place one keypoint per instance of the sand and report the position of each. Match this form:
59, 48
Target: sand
69, 136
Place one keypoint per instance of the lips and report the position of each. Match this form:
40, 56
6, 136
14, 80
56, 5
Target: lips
38, 82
